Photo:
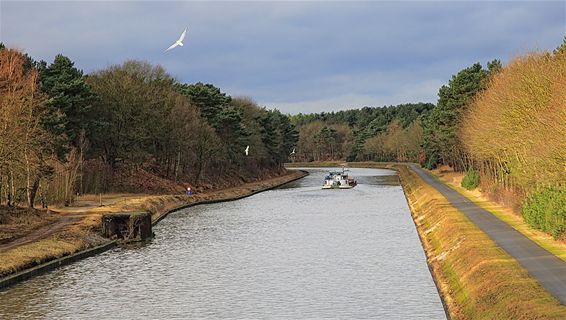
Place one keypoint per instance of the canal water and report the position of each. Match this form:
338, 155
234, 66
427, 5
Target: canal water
297, 252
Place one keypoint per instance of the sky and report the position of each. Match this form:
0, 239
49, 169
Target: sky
296, 56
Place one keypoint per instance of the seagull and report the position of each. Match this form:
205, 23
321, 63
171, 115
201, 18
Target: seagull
293, 151
247, 149
178, 42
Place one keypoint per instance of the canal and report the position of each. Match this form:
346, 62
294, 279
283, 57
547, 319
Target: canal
295, 252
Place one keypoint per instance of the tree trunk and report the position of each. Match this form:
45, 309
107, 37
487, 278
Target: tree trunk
199, 168
177, 163
28, 179
11, 190
33, 192
167, 166
66, 193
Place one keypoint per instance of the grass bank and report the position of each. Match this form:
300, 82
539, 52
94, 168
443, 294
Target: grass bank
475, 277
505, 213
75, 229
62, 236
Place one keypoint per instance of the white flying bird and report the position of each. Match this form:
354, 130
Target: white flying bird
178, 42
247, 149
293, 151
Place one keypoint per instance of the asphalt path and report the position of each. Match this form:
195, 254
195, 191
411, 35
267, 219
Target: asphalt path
548, 269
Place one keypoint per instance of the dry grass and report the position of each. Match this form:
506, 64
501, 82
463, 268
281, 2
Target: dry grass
477, 279
504, 213
17, 222
74, 238
35, 253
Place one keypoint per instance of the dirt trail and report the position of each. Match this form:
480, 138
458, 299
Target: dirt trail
42, 232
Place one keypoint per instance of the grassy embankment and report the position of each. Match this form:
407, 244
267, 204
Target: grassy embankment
57, 234
475, 277
45, 236
504, 213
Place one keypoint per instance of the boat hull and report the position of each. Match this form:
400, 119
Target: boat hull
337, 187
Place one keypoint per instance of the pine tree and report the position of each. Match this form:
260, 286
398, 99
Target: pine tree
207, 98
441, 140
69, 104
561, 49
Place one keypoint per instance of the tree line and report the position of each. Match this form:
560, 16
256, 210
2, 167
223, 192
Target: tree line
505, 126
513, 133
359, 134
507, 122
128, 127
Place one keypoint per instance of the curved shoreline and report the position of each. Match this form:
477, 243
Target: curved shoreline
52, 264
238, 197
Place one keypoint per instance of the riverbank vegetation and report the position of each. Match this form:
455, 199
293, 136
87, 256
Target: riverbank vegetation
127, 128
503, 126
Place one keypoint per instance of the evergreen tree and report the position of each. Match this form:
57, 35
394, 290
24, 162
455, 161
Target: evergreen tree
207, 98
288, 137
441, 140
494, 66
229, 128
267, 130
561, 49
69, 104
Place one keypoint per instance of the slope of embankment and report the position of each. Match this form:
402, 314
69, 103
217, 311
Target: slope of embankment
509, 214
475, 277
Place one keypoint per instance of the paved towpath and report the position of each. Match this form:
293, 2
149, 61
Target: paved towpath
548, 269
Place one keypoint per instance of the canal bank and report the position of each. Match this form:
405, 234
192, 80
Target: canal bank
77, 236
474, 276
295, 252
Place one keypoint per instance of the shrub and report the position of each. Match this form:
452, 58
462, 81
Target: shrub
546, 210
471, 180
